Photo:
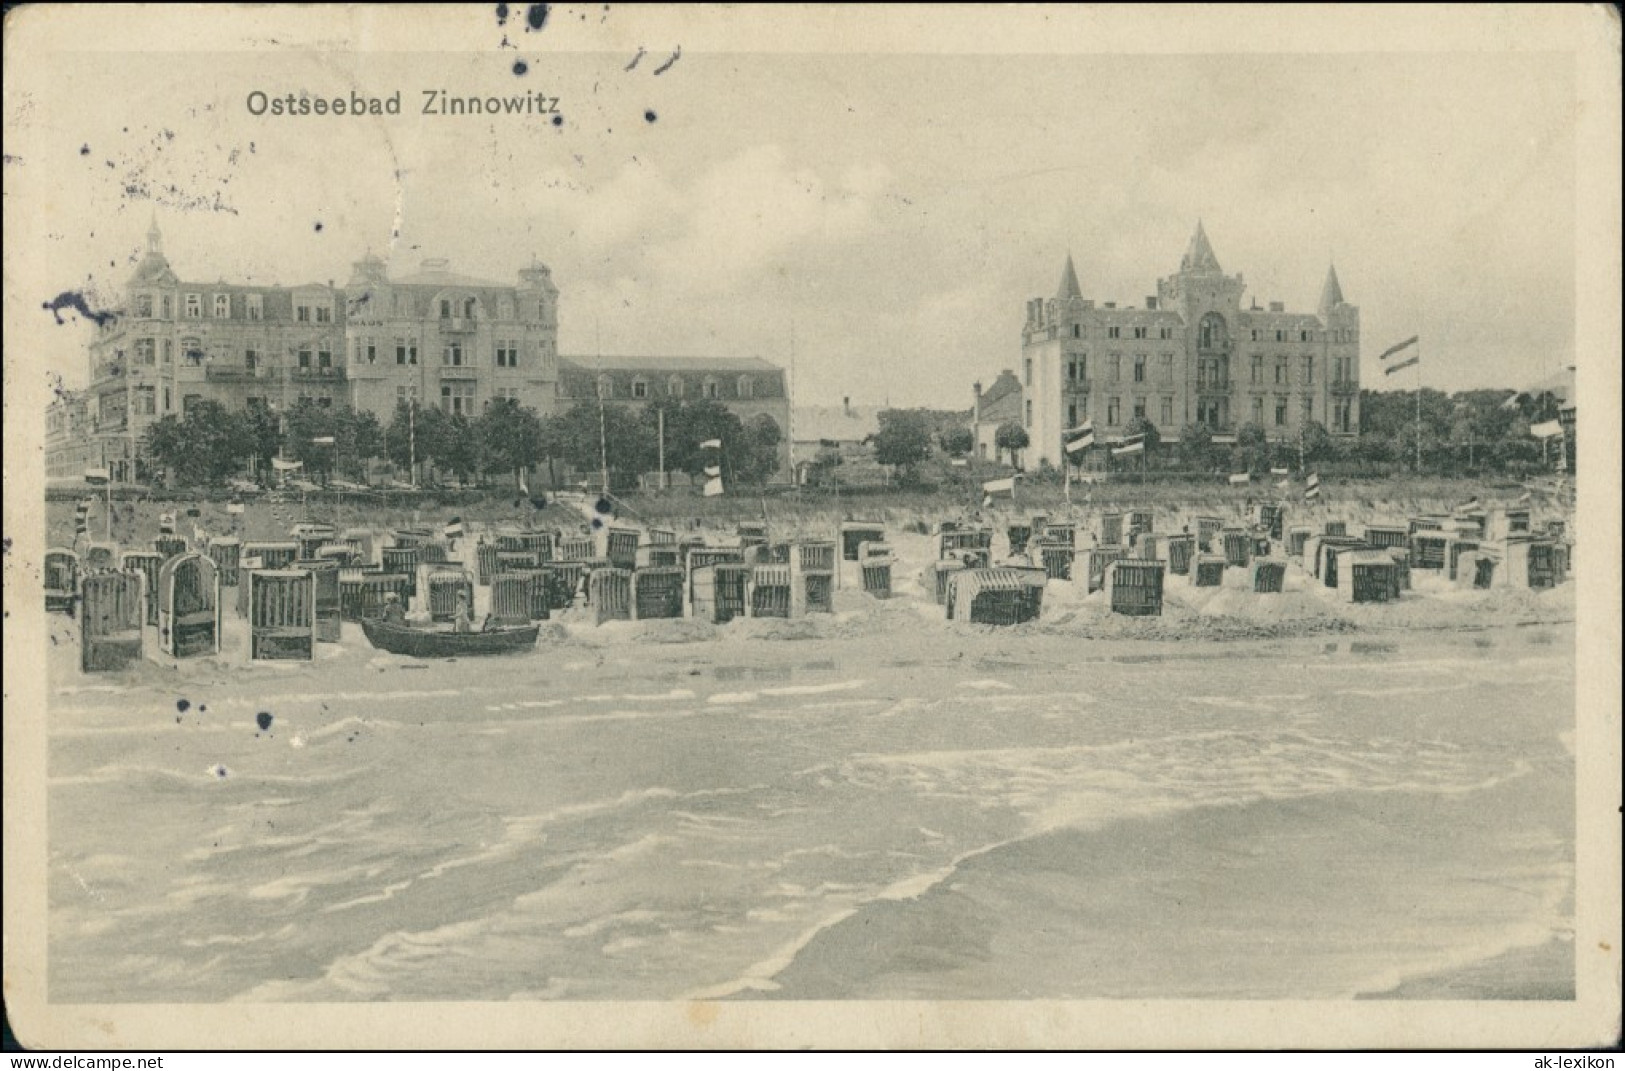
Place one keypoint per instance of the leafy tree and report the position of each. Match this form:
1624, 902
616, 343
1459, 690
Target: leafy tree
761, 460
510, 435
263, 431
398, 444
207, 445
1318, 445
1252, 451
903, 441
628, 438
1195, 449
307, 423
1013, 437
457, 446
957, 441
363, 439
821, 470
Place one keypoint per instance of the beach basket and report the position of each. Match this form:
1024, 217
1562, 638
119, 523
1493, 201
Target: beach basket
1333, 554
147, 564
1454, 549
1019, 535
719, 591
281, 615
1431, 522
410, 537
111, 616
651, 556
623, 548
364, 592
1296, 537
1324, 549
1140, 520
1269, 577
1111, 529
657, 593
769, 590
610, 594
877, 576
1428, 549
1181, 550
1207, 530
61, 580
1402, 569
1384, 536
814, 556
1207, 571
1508, 523
1472, 524
361, 539
565, 583
1365, 575
169, 546
485, 563
1060, 533
1057, 558
1146, 546
576, 549
854, 534
1097, 560
329, 612
939, 575
99, 558
1134, 587
1000, 596
517, 561
441, 586
434, 552
189, 606
345, 552
1335, 528
510, 599
662, 537
226, 551
403, 561
1238, 547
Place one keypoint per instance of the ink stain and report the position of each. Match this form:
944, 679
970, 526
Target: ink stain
502, 14
521, 68
263, 719
220, 771
558, 120
536, 16
649, 116
74, 300
318, 226
182, 705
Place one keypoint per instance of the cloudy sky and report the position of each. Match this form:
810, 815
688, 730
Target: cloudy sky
885, 215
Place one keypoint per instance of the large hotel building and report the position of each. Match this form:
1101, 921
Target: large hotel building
433, 336
1191, 355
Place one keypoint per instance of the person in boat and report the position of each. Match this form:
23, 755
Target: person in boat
463, 619
394, 613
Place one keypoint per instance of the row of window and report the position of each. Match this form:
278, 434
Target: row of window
709, 388
1258, 334
252, 307
1114, 410
1283, 370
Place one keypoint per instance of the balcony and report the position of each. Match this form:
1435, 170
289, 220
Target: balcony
230, 373
458, 371
307, 375
1213, 383
457, 325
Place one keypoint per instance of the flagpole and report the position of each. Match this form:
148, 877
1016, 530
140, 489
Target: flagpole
660, 419
1419, 408
603, 435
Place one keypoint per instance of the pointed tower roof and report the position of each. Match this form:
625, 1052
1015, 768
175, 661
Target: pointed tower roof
1069, 282
155, 237
1331, 295
1199, 256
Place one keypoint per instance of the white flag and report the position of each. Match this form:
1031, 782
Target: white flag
1280, 472
1241, 477
285, 466
713, 487
1546, 429
524, 488
713, 471
1312, 486
1005, 486
324, 440
1080, 438
711, 444
1130, 448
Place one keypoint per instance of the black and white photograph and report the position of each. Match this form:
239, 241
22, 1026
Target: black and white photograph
583, 526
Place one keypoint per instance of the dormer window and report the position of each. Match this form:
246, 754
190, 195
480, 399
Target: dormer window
222, 306
711, 388
468, 308
194, 306
674, 387
747, 388
640, 388
256, 307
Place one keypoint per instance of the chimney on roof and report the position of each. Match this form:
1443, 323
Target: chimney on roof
846, 406
976, 410
1150, 302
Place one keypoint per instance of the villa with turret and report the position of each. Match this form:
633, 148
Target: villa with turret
1192, 354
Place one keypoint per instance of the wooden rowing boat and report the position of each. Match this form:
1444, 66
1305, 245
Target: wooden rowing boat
433, 643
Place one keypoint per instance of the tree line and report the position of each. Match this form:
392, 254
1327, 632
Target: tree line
210, 443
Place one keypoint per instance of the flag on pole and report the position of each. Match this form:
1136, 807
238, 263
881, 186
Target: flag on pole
958, 462
81, 518
711, 444
1080, 438
1241, 477
713, 487
1135, 445
1280, 472
454, 528
1406, 363
324, 440
713, 471
524, 488
282, 465
1546, 429
235, 508
98, 477
166, 524
1312, 486
1391, 350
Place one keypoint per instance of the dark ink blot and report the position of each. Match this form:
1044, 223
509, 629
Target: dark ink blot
558, 120
202, 708
318, 226
502, 14
84, 150
220, 771
177, 719
536, 16
182, 705
603, 505
263, 719
664, 67
520, 67
649, 116
72, 299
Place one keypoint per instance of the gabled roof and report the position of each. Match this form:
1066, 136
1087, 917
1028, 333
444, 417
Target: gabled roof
1006, 384
1331, 295
442, 278
1199, 256
1069, 282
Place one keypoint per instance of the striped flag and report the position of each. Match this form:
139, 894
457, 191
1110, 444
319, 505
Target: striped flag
1135, 445
1391, 350
324, 440
1080, 438
1546, 429
282, 465
712, 444
1311, 487
1241, 478
454, 528
81, 517
1406, 363
1006, 486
